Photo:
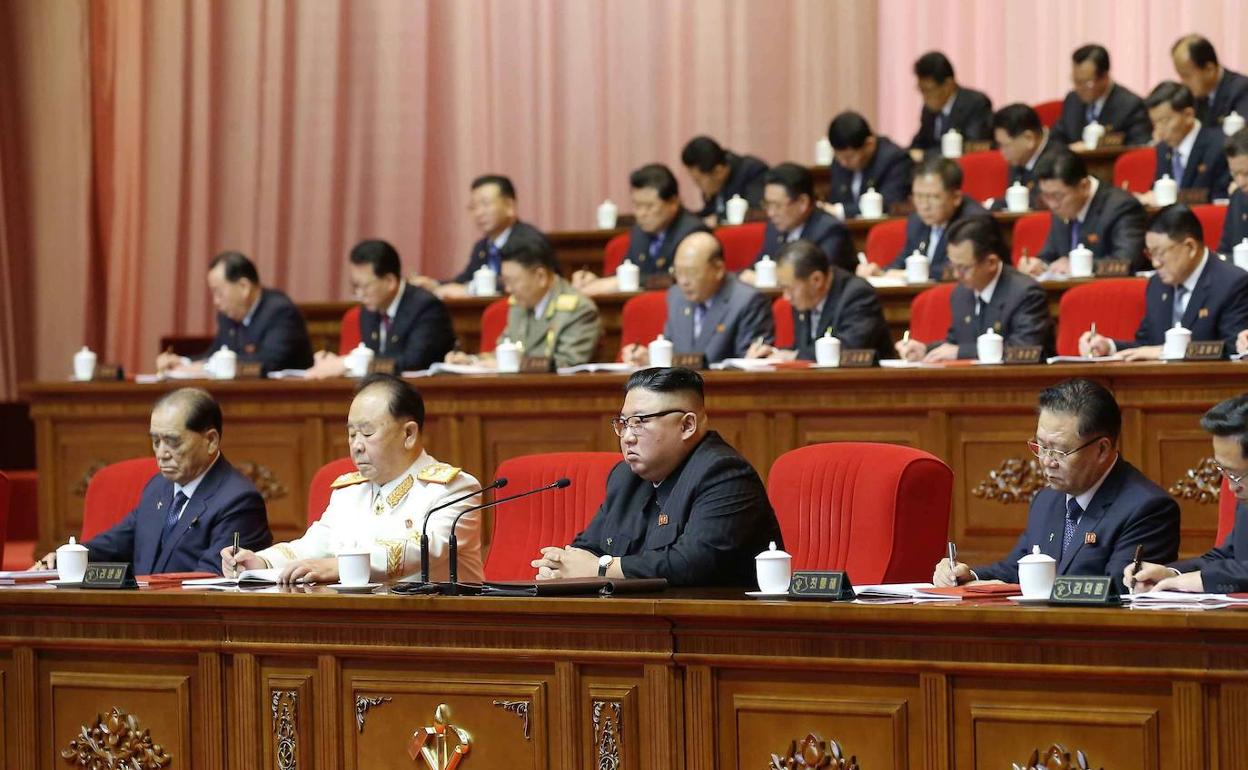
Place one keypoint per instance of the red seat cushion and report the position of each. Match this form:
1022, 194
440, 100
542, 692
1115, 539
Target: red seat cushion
930, 315
1226, 511
885, 241
1134, 170
741, 244
1212, 219
642, 318
782, 311
113, 492
1030, 232
493, 322
614, 253
1049, 112
1115, 304
349, 335
984, 174
319, 490
5, 502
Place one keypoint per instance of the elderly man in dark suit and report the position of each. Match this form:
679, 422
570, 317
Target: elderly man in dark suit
1224, 568
683, 505
194, 506
721, 175
947, 105
990, 295
1188, 151
1235, 226
708, 310
256, 323
789, 198
1107, 221
864, 161
1024, 142
1218, 91
1192, 286
1096, 508
1096, 96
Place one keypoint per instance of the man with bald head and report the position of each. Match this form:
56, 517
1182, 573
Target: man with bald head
381, 508
708, 310
193, 507
1217, 90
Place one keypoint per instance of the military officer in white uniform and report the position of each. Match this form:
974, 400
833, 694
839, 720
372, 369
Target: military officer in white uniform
382, 506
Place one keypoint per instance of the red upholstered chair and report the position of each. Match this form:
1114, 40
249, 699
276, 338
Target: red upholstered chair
523, 528
930, 315
1049, 112
1212, 218
885, 241
493, 322
113, 492
642, 318
1030, 232
349, 334
879, 511
741, 244
319, 490
984, 174
1135, 169
1226, 512
782, 311
1116, 304
5, 503
614, 253
23, 524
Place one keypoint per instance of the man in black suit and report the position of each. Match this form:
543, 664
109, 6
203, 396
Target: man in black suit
1224, 568
826, 300
398, 320
1096, 508
946, 105
721, 175
662, 223
683, 505
256, 323
193, 507
1023, 140
864, 161
789, 198
1187, 151
492, 205
1192, 286
1217, 90
1235, 226
1096, 96
1107, 221
990, 295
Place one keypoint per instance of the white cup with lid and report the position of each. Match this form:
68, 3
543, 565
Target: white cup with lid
735, 209
774, 569
661, 351
951, 144
990, 347
1232, 123
918, 267
824, 154
71, 561
484, 282
1092, 134
628, 276
608, 214
507, 354
871, 204
84, 364
1036, 573
1175, 347
1017, 198
1080, 259
765, 273
358, 360
223, 364
828, 350
1165, 191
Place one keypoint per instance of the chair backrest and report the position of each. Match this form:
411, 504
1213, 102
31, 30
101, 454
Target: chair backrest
493, 321
879, 511
984, 174
349, 334
1049, 112
1030, 232
319, 490
1115, 304
113, 492
741, 244
930, 315
614, 253
1226, 512
524, 527
5, 504
1212, 219
885, 241
642, 318
1135, 169
782, 311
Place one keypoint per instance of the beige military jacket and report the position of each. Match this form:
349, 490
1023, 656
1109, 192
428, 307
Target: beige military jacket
568, 330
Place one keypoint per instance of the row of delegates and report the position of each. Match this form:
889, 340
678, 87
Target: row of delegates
255, 322
1192, 286
1096, 508
193, 507
382, 506
546, 315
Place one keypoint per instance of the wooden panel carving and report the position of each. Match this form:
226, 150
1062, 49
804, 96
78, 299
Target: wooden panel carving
612, 718
289, 717
285, 708
1201, 484
103, 717
1056, 757
1000, 734
264, 478
813, 752
518, 707
607, 724
115, 740
1014, 481
363, 703
440, 746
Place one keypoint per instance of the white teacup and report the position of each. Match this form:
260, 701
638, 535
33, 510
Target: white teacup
358, 360
828, 351
735, 209
484, 282
628, 276
918, 268
774, 569
661, 351
1036, 573
990, 347
1080, 259
223, 364
871, 204
1017, 198
507, 354
354, 568
608, 213
71, 562
1177, 339
84, 364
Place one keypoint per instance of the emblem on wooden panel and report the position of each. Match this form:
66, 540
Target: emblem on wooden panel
115, 740
1056, 757
265, 480
518, 707
1202, 483
813, 752
285, 729
1015, 481
441, 746
80, 489
607, 734
362, 704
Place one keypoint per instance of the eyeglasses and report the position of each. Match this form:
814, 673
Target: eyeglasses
1044, 452
1234, 478
637, 423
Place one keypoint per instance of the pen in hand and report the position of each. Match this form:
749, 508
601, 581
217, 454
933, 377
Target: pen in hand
1137, 563
234, 553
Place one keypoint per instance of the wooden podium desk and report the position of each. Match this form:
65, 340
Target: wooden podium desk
696, 680
974, 418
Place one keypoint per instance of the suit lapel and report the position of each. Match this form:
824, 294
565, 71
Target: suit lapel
716, 314
1091, 518
152, 522
1199, 294
195, 508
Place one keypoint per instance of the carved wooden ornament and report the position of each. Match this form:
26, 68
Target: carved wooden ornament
115, 741
813, 752
441, 746
1056, 757
1202, 483
1015, 481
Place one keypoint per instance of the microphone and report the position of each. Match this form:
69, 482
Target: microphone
424, 530
453, 545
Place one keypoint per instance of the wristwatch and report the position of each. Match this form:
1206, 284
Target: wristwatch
604, 564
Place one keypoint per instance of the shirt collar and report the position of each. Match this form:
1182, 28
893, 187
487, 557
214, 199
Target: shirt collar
1185, 147
948, 108
1190, 283
1084, 498
252, 312
501, 240
394, 306
1083, 212
384, 490
1100, 103
540, 310
1035, 156
796, 233
991, 288
189, 488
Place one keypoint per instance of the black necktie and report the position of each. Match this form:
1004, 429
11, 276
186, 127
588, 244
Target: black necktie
1073, 512
171, 519
980, 309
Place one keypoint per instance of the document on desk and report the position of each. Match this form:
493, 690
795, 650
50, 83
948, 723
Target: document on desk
1083, 359
613, 367
898, 593
747, 364
445, 368
1156, 600
248, 578
27, 576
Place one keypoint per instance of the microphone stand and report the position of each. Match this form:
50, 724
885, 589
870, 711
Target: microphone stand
424, 529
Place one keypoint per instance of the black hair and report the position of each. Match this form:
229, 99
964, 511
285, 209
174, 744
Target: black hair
505, 187
1097, 54
1229, 418
704, 154
1237, 144
1016, 118
380, 254
1177, 95
1062, 165
933, 65
403, 401
657, 177
1090, 402
237, 266
1177, 222
662, 379
1199, 50
202, 410
948, 170
848, 131
796, 180
805, 257
983, 233
529, 252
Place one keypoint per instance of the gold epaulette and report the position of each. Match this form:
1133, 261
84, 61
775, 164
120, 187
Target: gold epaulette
348, 479
438, 473
566, 302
